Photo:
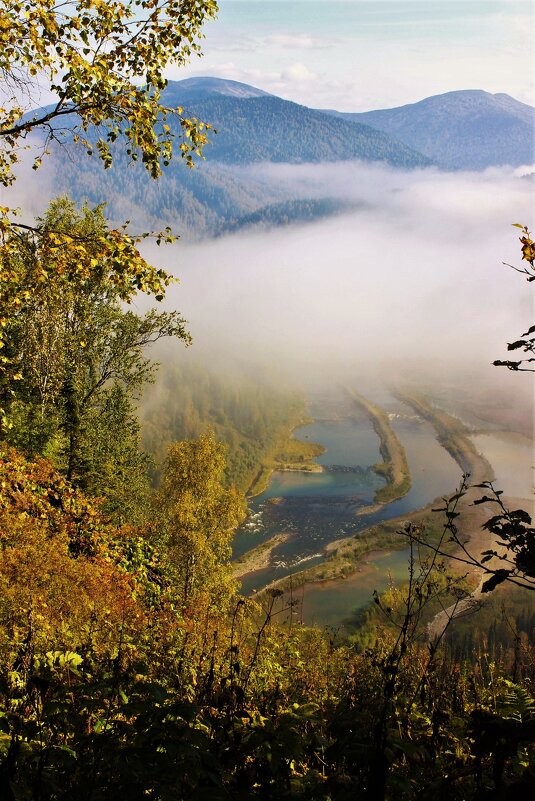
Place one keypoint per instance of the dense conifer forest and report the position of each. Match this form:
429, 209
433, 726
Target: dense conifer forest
250, 417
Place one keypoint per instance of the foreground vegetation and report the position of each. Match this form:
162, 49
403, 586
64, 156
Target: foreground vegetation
116, 682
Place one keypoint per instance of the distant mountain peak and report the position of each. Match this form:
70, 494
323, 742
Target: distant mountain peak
462, 99
463, 129
205, 86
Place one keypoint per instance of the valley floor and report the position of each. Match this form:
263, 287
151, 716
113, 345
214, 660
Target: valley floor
347, 557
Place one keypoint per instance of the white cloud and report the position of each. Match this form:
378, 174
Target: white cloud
290, 83
413, 277
364, 56
298, 73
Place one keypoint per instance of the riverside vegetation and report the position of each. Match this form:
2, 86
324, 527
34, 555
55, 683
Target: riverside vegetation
394, 467
130, 666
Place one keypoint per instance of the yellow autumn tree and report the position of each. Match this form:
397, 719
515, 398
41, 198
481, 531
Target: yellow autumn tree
104, 62
197, 514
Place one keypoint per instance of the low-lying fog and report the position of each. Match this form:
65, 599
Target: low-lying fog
411, 283
414, 279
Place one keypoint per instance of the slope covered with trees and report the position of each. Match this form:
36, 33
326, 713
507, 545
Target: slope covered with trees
468, 129
73, 360
248, 127
250, 417
126, 672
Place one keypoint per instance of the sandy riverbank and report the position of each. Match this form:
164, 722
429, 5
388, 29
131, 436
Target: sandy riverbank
394, 467
347, 556
453, 435
260, 557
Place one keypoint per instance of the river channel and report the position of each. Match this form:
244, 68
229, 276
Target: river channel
317, 508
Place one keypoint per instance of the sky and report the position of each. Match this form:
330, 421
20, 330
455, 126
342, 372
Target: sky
359, 55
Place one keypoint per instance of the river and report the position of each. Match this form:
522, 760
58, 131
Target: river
317, 508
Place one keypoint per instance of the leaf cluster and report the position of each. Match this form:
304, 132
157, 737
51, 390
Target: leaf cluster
526, 341
105, 63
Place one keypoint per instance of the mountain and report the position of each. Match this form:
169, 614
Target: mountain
177, 93
252, 127
266, 128
468, 129
302, 210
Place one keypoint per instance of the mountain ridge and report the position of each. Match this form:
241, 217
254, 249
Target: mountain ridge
462, 129
210, 85
255, 127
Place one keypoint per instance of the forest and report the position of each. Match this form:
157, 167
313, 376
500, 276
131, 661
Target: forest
131, 667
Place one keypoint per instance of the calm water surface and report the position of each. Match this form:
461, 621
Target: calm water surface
511, 456
317, 508
334, 603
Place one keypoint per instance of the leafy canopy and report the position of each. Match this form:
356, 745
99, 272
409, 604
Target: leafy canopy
74, 358
196, 516
526, 342
104, 61
53, 279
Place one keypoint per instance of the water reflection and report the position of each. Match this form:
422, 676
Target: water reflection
317, 508
334, 603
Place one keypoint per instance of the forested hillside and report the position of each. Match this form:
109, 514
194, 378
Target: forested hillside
289, 213
248, 127
467, 130
251, 418
196, 203
271, 129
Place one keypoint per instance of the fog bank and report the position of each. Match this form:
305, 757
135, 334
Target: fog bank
412, 281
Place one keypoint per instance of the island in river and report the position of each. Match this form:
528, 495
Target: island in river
344, 556
289, 455
394, 467
259, 557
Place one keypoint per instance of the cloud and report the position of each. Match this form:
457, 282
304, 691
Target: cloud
298, 73
413, 280
248, 43
297, 82
375, 55
303, 41
409, 283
